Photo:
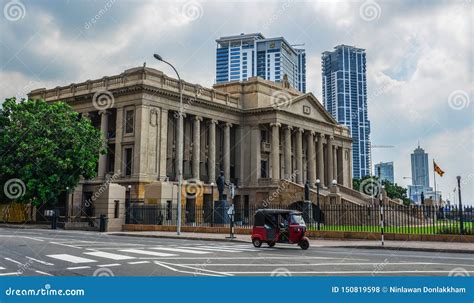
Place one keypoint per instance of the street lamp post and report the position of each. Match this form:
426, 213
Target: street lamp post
180, 141
461, 221
318, 186
212, 204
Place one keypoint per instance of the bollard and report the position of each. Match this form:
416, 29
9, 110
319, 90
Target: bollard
103, 223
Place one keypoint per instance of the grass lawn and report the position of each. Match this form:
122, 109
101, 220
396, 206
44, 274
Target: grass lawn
439, 227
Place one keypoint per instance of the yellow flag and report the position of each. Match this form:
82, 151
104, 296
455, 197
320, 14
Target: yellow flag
438, 169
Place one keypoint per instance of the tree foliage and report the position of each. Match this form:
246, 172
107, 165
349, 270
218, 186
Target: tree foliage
394, 191
44, 149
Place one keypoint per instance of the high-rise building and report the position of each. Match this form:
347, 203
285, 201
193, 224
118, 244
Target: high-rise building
419, 168
248, 55
384, 170
345, 98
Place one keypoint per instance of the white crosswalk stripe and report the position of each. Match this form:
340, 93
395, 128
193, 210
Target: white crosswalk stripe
183, 250
107, 255
212, 249
2, 268
71, 258
230, 248
147, 252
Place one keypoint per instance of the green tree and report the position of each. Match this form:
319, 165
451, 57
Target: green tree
44, 149
394, 191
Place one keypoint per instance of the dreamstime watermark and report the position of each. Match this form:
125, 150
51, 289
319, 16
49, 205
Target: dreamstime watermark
459, 100
458, 272
14, 188
193, 189
103, 99
379, 267
280, 99
370, 10
100, 13
192, 10
102, 189
371, 187
276, 16
281, 187
103, 272
281, 272
14, 10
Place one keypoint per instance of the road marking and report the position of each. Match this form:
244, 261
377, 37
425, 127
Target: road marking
107, 255
14, 261
10, 273
43, 273
109, 265
189, 251
230, 248
212, 249
71, 258
139, 262
30, 238
437, 256
62, 244
78, 267
146, 252
307, 264
2, 268
40, 261
196, 270
245, 258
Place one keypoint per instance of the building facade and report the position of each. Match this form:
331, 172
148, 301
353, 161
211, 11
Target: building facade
345, 98
234, 128
384, 171
244, 56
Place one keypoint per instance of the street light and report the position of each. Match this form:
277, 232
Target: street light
180, 141
212, 204
334, 182
318, 186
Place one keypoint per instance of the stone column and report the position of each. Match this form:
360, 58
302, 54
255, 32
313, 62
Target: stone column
163, 143
275, 150
196, 146
212, 152
299, 156
330, 154
227, 151
287, 152
311, 159
104, 123
335, 159
320, 155
119, 125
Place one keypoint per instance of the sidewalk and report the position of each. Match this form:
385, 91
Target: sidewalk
449, 247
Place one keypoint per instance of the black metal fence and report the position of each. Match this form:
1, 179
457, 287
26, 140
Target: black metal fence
416, 219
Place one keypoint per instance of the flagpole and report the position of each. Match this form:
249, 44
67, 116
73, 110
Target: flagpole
434, 180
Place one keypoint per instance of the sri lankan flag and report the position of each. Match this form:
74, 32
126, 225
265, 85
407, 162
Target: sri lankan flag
438, 169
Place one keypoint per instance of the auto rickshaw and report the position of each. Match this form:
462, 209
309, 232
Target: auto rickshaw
279, 226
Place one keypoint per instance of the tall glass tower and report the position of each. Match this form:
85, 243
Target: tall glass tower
419, 168
247, 55
345, 97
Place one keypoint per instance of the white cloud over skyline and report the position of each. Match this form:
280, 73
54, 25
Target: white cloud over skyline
418, 54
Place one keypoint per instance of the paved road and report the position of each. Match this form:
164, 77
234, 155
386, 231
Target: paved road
73, 253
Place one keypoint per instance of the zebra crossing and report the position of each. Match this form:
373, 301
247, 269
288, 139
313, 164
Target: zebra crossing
135, 255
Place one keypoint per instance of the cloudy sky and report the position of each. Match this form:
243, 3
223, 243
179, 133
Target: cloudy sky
419, 58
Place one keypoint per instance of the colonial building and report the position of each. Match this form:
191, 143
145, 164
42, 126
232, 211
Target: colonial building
256, 131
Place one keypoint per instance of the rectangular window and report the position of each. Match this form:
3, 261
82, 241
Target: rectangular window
129, 115
128, 161
263, 169
116, 208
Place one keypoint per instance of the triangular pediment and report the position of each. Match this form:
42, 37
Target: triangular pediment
308, 105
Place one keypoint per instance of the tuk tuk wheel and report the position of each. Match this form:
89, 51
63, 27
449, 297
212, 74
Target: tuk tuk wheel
271, 244
304, 244
256, 242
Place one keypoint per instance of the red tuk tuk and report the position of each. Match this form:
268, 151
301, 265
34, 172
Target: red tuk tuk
279, 226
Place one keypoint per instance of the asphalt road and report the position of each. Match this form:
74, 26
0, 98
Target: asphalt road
34, 252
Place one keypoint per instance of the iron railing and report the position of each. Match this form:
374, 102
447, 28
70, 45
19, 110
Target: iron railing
414, 219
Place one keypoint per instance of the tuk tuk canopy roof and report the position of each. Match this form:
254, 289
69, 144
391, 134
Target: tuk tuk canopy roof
259, 219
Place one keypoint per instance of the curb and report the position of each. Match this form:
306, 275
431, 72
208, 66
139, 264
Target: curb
178, 237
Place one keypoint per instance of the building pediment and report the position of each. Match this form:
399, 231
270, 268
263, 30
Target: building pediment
306, 105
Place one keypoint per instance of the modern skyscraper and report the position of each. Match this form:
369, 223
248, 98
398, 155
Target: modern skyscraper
247, 55
345, 97
384, 170
419, 168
